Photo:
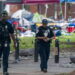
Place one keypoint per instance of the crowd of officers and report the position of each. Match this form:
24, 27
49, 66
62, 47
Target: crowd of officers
44, 37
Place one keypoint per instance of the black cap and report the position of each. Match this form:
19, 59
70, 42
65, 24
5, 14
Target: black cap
45, 21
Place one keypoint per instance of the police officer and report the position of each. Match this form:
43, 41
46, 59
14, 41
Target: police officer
44, 35
6, 31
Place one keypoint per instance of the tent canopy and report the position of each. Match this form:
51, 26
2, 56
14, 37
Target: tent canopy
30, 1
40, 1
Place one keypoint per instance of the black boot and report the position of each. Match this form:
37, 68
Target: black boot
41, 69
45, 70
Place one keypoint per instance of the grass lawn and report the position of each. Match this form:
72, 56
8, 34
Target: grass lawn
25, 42
28, 42
66, 38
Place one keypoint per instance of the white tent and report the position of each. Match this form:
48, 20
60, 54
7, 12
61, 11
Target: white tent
17, 14
7, 8
20, 15
24, 22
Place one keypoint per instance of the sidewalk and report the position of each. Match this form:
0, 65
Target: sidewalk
27, 66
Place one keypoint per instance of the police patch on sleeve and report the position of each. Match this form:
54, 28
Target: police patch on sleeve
37, 30
48, 31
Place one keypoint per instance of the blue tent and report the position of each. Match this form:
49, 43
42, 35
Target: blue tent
72, 24
71, 0
12, 20
67, 0
62, 0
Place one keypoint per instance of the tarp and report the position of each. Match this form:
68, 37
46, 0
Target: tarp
72, 24
40, 1
67, 0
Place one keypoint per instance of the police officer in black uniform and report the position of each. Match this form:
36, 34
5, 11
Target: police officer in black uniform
44, 36
6, 31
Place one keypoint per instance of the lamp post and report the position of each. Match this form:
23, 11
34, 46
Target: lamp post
46, 6
65, 9
61, 12
55, 13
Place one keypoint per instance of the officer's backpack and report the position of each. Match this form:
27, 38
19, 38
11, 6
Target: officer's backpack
4, 33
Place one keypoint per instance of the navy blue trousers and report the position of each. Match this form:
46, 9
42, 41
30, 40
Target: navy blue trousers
5, 52
44, 51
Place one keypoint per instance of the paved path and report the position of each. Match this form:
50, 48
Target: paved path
27, 66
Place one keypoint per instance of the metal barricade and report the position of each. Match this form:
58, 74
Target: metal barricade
17, 50
57, 52
36, 51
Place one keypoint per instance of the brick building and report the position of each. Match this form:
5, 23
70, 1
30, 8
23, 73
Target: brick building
51, 9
